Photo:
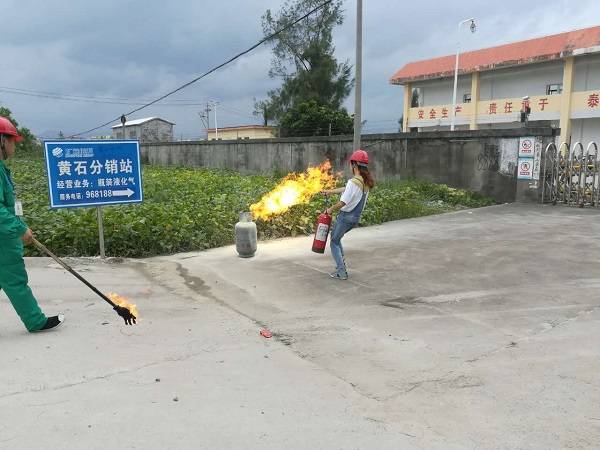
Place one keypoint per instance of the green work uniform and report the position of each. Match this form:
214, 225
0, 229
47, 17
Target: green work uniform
13, 276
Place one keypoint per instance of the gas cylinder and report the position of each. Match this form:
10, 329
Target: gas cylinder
323, 226
245, 236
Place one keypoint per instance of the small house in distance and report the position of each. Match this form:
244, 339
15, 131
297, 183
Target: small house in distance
242, 132
150, 129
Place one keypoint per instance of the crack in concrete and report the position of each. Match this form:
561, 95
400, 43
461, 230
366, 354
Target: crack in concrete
354, 386
526, 339
385, 425
570, 319
483, 356
104, 377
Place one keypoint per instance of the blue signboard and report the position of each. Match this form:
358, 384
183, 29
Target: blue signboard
93, 173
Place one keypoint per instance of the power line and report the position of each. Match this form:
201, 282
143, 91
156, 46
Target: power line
114, 100
102, 100
237, 112
19, 91
214, 69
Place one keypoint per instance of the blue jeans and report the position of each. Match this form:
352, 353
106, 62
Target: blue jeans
343, 224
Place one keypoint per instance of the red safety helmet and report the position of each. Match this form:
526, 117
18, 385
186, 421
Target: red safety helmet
7, 128
360, 157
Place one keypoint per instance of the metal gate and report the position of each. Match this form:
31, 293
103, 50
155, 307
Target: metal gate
571, 175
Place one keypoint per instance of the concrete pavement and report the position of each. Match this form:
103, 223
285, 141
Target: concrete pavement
471, 330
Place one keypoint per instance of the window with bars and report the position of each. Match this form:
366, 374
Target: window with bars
554, 89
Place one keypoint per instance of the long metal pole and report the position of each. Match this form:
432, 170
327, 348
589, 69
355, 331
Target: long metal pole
122, 311
69, 269
358, 77
216, 124
452, 122
101, 231
453, 116
207, 119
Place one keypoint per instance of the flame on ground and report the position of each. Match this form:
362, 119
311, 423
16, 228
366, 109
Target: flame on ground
294, 189
122, 301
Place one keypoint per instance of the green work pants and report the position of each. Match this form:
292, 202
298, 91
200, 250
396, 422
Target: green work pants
13, 280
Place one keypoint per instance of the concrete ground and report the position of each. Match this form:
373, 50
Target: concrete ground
472, 330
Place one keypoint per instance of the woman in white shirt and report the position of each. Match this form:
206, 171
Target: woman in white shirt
351, 205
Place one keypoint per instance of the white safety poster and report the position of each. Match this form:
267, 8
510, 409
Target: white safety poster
525, 169
526, 147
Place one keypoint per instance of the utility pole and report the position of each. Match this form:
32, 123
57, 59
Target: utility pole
473, 28
207, 116
215, 103
358, 77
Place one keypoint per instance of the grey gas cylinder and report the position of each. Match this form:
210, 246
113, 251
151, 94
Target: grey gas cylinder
245, 236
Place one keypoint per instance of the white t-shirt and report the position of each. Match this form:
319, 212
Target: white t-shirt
352, 195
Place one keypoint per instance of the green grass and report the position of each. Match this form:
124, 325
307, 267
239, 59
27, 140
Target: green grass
192, 209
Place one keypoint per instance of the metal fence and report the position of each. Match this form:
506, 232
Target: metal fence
571, 175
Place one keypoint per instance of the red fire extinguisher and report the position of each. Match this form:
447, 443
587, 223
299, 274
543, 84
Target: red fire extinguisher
323, 227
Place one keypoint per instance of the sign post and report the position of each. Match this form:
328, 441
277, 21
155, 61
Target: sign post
101, 231
93, 173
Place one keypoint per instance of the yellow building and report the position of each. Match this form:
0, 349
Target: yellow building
557, 77
242, 132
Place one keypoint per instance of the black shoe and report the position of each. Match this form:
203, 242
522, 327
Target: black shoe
52, 322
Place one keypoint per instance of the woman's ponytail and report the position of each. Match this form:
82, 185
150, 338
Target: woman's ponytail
366, 176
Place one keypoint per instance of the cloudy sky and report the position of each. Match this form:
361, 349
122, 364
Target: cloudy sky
138, 50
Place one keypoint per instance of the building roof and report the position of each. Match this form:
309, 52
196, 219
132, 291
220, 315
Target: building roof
131, 123
244, 127
531, 51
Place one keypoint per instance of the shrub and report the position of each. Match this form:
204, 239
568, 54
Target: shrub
194, 209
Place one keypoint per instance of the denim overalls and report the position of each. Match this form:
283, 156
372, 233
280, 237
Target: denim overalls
344, 222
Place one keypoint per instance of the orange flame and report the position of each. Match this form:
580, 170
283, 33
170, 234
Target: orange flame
294, 189
123, 301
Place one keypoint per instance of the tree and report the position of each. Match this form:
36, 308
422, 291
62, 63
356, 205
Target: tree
311, 119
303, 57
29, 143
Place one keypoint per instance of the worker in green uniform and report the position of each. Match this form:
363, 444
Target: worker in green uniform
13, 234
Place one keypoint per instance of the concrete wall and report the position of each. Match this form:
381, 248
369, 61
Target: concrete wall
133, 132
484, 161
156, 131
